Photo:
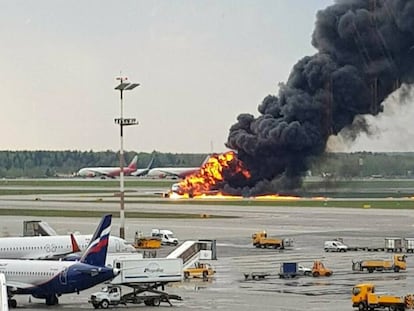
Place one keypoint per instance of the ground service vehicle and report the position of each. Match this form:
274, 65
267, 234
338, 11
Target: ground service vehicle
398, 263
166, 236
260, 240
112, 295
319, 269
335, 246
393, 244
199, 270
144, 276
365, 298
146, 242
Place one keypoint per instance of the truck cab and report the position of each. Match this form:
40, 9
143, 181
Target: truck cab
167, 236
110, 295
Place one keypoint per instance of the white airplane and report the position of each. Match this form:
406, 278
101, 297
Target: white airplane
108, 171
55, 246
4, 306
174, 172
49, 279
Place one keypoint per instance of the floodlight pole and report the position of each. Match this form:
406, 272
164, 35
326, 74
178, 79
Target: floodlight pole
121, 121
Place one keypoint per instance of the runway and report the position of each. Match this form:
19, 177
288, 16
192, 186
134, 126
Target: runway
308, 227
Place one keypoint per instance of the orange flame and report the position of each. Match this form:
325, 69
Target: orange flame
208, 178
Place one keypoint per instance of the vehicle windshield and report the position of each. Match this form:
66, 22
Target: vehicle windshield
356, 291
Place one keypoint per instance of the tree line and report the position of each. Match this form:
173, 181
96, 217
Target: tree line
38, 164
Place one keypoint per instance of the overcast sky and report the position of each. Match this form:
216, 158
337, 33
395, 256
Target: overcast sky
199, 63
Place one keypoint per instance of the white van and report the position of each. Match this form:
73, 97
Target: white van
335, 246
166, 236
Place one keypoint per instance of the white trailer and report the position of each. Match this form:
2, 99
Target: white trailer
145, 276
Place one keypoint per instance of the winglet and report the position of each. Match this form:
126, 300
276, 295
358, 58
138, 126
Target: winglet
95, 254
75, 245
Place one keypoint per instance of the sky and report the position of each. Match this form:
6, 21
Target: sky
199, 64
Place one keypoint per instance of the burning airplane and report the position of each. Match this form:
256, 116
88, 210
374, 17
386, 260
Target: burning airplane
365, 51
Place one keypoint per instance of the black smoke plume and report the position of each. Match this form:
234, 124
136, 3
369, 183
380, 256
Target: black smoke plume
365, 51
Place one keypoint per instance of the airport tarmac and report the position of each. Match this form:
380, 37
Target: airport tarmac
228, 290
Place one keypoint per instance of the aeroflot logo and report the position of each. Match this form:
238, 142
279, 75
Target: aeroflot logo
153, 268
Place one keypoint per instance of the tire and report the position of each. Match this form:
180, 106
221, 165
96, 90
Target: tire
326, 250
370, 270
96, 305
396, 269
315, 274
328, 274
12, 303
392, 308
361, 306
104, 304
186, 275
156, 302
148, 302
205, 275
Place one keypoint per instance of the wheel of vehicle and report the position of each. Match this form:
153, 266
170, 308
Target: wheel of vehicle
148, 302
328, 274
361, 306
370, 270
104, 304
96, 305
13, 303
186, 275
315, 274
326, 250
156, 302
205, 275
396, 269
392, 308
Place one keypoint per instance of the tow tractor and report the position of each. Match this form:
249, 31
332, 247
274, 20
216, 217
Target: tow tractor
319, 269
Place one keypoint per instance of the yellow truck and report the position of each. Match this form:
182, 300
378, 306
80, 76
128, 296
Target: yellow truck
398, 263
261, 240
364, 298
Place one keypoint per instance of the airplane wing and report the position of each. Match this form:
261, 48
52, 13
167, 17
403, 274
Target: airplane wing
75, 250
13, 286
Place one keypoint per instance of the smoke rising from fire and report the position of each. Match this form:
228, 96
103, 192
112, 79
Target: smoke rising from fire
365, 51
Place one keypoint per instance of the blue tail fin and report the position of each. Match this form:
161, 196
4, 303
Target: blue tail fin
95, 254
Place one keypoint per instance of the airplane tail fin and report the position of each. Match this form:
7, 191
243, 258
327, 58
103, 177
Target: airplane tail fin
149, 166
95, 254
133, 164
75, 245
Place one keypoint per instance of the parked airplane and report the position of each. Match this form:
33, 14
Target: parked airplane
143, 171
108, 171
174, 172
50, 279
4, 306
55, 246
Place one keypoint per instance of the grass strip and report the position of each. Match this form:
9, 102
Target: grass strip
77, 213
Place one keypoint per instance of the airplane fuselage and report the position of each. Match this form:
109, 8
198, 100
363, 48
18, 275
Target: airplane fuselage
50, 247
45, 278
